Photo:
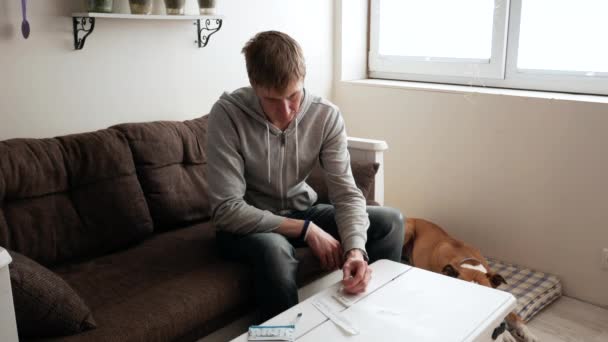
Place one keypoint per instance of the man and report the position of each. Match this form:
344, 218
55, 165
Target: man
263, 141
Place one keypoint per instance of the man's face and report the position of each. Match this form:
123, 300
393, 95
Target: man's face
281, 106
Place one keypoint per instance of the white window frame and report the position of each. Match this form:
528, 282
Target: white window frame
551, 80
419, 68
500, 71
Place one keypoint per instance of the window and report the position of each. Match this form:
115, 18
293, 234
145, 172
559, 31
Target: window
557, 45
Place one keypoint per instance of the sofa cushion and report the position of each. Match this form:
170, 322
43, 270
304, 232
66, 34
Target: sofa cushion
173, 286
45, 305
33, 187
364, 174
105, 191
70, 197
170, 160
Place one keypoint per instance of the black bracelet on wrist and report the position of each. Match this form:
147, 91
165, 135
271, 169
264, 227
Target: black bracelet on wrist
304, 230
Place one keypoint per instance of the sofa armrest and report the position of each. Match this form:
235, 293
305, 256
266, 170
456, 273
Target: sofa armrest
369, 150
8, 324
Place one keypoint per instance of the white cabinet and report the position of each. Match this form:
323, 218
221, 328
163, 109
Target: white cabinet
8, 325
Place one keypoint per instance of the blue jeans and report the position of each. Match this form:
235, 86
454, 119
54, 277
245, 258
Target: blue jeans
272, 255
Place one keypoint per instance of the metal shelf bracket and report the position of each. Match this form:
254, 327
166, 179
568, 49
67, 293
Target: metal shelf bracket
83, 26
204, 32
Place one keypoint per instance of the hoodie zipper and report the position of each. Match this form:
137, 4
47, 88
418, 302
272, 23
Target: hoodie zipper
281, 170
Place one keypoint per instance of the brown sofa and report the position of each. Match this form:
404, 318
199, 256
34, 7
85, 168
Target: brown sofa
122, 216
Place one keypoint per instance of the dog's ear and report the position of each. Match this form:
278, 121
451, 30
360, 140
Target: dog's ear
450, 271
496, 279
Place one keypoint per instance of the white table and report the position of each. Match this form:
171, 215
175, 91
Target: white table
406, 304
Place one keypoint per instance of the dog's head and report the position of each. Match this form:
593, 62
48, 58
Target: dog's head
474, 275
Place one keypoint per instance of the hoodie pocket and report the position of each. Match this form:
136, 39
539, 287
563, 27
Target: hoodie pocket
305, 198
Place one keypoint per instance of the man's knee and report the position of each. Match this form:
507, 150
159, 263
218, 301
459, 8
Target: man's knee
386, 233
395, 217
386, 221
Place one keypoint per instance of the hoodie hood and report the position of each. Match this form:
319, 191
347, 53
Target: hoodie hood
246, 99
249, 103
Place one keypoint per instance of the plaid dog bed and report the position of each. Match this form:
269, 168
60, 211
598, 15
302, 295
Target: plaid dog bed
533, 290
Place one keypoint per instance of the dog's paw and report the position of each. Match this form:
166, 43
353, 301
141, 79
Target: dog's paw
506, 337
523, 334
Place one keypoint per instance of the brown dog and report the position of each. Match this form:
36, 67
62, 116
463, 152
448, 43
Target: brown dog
429, 247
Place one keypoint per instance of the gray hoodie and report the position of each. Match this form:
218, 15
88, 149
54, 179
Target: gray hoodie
256, 171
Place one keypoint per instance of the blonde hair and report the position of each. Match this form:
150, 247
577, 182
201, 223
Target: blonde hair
274, 60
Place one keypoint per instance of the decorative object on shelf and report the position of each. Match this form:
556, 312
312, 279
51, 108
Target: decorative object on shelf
84, 23
207, 6
204, 32
83, 26
25, 25
101, 6
175, 7
140, 6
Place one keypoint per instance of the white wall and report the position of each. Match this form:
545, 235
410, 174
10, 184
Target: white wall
523, 179
136, 70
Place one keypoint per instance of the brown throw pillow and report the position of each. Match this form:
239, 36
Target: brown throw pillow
364, 174
45, 305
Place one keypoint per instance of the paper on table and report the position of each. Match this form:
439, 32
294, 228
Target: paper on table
335, 317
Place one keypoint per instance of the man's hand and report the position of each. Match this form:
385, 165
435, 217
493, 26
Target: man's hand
327, 249
357, 273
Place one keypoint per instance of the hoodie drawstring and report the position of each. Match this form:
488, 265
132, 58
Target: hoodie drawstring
297, 154
268, 150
